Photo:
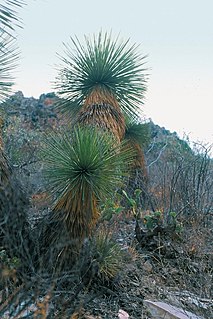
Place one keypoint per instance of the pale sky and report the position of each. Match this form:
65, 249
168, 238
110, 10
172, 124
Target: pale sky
177, 35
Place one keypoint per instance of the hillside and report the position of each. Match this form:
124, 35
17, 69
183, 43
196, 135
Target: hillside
164, 231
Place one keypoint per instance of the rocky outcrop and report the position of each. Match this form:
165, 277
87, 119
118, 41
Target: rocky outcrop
35, 112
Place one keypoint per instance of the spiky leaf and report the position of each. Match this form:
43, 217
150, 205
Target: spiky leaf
137, 132
8, 15
8, 59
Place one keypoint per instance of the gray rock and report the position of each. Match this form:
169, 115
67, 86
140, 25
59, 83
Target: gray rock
162, 310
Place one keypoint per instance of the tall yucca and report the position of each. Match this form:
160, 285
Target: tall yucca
105, 77
82, 168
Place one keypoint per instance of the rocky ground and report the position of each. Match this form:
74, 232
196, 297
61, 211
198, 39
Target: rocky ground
177, 271
181, 280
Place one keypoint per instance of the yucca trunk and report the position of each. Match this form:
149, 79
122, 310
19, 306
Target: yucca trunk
62, 239
72, 220
103, 111
79, 214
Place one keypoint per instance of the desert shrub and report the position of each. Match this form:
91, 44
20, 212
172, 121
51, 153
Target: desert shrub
22, 146
21, 143
181, 180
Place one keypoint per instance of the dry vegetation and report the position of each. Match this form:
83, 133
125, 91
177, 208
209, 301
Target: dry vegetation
170, 259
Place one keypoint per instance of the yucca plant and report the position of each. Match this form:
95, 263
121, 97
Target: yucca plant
137, 135
102, 80
109, 255
83, 167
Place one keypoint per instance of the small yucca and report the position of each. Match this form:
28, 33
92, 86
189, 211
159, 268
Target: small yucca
110, 256
138, 136
82, 168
